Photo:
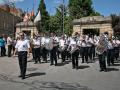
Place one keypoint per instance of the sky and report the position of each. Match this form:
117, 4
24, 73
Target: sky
104, 7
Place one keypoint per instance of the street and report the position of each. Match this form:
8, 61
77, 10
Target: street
61, 77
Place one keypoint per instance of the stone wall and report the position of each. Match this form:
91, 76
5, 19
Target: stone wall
101, 23
8, 22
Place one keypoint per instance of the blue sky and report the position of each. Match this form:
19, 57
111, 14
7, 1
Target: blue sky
105, 7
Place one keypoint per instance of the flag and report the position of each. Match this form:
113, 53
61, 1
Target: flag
37, 18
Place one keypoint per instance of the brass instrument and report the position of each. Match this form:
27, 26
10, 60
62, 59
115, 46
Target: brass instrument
100, 49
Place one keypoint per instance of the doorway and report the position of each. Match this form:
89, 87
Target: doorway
91, 32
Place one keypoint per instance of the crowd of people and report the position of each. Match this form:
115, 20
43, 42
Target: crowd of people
66, 48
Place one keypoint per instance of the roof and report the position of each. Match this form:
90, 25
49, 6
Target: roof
92, 19
29, 24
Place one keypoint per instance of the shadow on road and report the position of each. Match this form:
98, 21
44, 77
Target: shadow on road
112, 69
35, 74
83, 67
116, 65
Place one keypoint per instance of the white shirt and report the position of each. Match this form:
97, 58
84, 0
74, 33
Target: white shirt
42, 40
83, 44
22, 45
61, 43
73, 44
36, 42
110, 46
9, 41
116, 43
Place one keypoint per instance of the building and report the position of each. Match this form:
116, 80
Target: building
29, 28
12, 10
8, 22
92, 25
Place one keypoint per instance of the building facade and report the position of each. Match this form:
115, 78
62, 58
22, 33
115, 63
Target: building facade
8, 22
92, 25
29, 28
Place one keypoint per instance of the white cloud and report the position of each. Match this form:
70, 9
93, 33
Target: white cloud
16, 0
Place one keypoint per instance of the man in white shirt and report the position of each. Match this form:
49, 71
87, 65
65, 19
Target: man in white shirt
36, 46
9, 44
74, 52
23, 47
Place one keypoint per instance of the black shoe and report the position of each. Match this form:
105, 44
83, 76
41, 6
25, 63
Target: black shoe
101, 70
55, 64
23, 77
105, 70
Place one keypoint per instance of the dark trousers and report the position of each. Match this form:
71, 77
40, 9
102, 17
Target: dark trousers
84, 54
63, 55
89, 51
9, 50
44, 54
93, 52
102, 61
116, 52
110, 56
33, 53
37, 55
22, 57
53, 56
75, 59
3, 50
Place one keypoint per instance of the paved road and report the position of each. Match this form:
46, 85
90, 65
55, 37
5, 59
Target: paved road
62, 77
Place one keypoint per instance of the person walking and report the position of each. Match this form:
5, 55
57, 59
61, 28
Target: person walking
23, 48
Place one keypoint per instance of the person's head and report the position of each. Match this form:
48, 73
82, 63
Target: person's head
21, 34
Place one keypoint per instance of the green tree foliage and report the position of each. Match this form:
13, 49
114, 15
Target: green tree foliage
75, 10
43, 25
81, 8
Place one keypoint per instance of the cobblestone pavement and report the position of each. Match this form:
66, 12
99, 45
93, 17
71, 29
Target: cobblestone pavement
61, 77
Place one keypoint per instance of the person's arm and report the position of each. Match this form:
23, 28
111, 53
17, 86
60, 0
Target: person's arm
28, 45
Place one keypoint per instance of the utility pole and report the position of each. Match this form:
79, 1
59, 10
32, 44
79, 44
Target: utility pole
63, 15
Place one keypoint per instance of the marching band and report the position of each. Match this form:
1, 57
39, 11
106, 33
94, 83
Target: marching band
47, 47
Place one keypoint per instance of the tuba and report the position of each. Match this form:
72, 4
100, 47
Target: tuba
100, 49
102, 45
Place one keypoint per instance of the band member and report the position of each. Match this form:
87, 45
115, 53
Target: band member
53, 50
74, 52
89, 43
23, 47
36, 48
101, 50
116, 44
110, 53
62, 48
44, 42
84, 50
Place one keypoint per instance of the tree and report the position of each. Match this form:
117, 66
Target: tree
81, 8
115, 24
43, 25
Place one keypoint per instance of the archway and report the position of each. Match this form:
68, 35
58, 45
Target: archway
91, 32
